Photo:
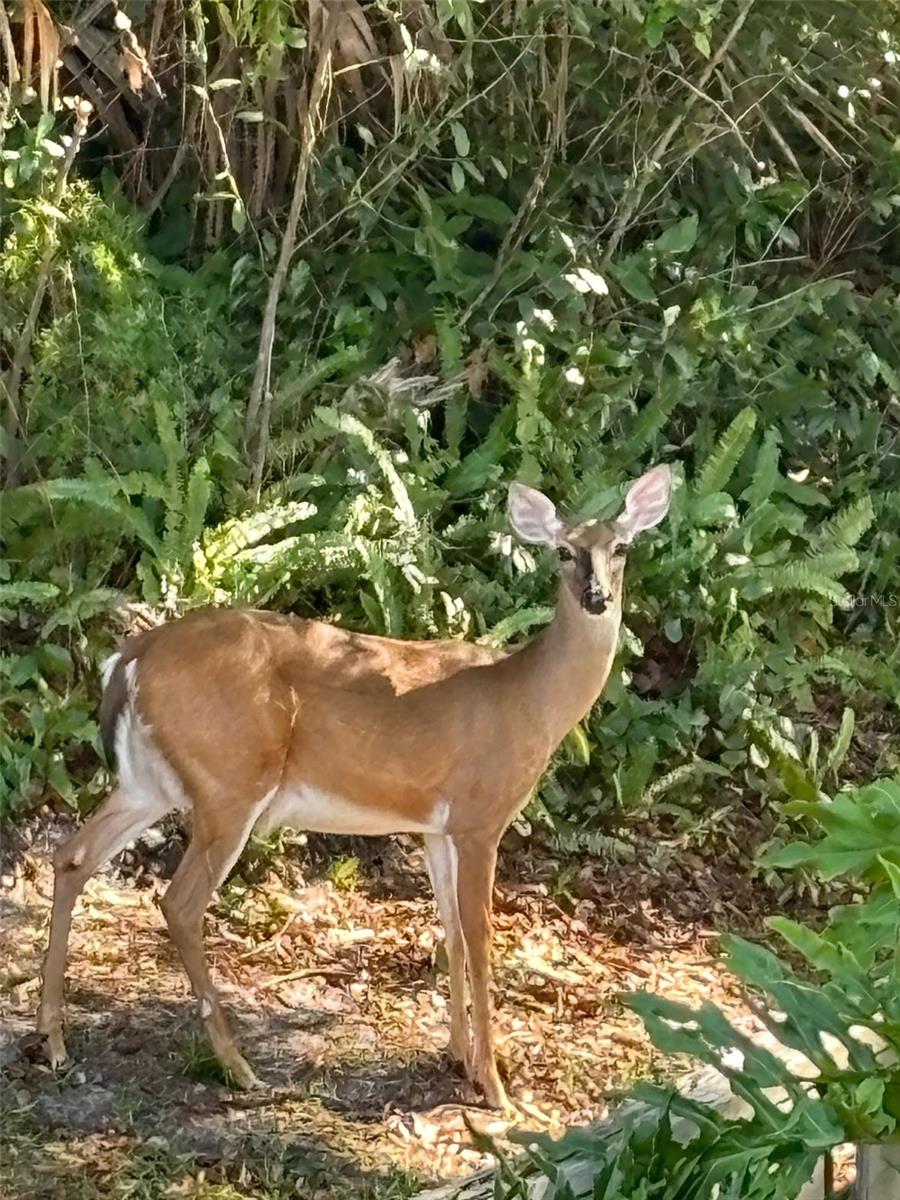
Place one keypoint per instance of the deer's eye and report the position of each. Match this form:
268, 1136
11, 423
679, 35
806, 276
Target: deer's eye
620, 549
565, 554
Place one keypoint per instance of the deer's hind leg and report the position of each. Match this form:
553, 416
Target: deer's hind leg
215, 845
477, 860
119, 820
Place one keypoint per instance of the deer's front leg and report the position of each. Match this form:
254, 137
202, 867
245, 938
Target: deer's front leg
477, 859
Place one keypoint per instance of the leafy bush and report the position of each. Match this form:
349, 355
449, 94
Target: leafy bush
844, 1031
488, 305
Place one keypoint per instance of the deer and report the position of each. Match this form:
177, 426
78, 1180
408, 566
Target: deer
252, 720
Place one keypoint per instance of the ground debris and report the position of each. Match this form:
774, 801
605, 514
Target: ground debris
340, 997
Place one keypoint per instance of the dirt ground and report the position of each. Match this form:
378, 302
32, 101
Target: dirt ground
333, 971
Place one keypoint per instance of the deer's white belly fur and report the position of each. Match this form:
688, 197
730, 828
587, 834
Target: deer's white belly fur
304, 807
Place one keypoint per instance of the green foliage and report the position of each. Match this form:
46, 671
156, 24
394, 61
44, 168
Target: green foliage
344, 874
845, 1028
728, 333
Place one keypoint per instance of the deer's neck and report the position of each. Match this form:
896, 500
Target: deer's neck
561, 674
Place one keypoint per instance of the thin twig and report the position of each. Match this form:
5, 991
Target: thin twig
13, 380
259, 405
515, 235
640, 184
187, 139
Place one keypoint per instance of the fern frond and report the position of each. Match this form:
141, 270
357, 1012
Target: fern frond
849, 525
765, 472
174, 458
27, 591
350, 425
652, 417
720, 466
519, 622
104, 495
805, 576
239, 533
378, 572
598, 845
196, 503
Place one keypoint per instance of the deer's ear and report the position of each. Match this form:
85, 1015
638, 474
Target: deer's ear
647, 502
533, 517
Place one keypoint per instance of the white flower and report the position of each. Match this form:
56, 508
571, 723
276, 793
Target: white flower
584, 280
890, 56
573, 375
546, 316
843, 91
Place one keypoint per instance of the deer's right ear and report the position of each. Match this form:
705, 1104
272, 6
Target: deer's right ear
533, 517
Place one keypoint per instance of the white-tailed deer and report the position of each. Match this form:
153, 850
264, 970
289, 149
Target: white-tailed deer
253, 720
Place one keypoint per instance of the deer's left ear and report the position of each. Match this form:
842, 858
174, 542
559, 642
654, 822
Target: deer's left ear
647, 502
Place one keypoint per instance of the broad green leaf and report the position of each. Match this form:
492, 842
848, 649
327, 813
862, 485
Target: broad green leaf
578, 744
634, 281
678, 238
460, 139
838, 751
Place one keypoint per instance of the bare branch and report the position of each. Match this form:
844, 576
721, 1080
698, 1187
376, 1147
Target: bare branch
259, 405
640, 184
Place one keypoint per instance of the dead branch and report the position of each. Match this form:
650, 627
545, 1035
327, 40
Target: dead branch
259, 405
640, 184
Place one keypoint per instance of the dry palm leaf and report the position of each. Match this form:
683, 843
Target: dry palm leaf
38, 27
9, 50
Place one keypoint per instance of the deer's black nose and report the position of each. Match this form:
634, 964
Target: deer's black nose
594, 601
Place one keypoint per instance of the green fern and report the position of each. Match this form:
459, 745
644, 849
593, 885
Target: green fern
523, 621
174, 460
378, 572
722, 462
27, 591
604, 847
196, 504
849, 525
456, 406
106, 496
652, 417
352, 426
803, 577
765, 473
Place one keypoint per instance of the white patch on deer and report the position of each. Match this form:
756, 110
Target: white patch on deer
146, 779
304, 807
107, 667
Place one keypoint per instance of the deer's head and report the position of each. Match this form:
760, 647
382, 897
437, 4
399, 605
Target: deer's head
593, 552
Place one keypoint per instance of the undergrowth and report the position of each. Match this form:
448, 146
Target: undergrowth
453, 333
